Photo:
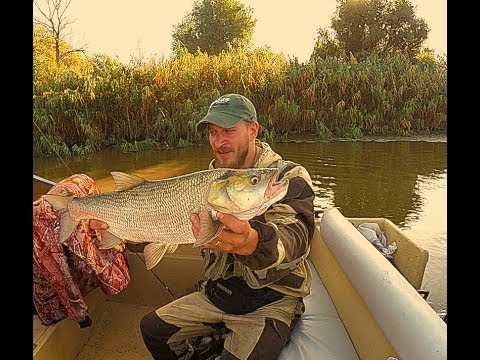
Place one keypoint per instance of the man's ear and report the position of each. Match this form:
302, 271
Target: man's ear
254, 129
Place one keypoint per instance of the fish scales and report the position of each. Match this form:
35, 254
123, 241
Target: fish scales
153, 211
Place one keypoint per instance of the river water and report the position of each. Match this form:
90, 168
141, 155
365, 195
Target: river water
403, 181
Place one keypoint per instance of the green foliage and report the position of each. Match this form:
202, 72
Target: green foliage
322, 132
428, 57
142, 105
327, 44
214, 26
380, 26
136, 146
266, 135
282, 114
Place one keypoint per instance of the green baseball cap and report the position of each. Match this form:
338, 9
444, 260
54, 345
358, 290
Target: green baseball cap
227, 111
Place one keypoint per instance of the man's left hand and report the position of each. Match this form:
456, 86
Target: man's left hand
237, 236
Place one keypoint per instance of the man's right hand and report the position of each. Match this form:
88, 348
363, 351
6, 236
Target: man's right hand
98, 225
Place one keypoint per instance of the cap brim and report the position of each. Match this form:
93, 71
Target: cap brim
218, 118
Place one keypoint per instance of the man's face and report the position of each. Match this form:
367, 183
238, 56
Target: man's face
232, 147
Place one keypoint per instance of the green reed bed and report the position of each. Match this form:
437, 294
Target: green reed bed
142, 105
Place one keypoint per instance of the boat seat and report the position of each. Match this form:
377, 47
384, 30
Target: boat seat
319, 334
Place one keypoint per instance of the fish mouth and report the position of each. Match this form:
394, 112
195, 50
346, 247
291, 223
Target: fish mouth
275, 187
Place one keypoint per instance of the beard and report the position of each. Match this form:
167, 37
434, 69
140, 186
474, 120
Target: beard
237, 160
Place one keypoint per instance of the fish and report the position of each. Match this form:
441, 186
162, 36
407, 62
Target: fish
157, 212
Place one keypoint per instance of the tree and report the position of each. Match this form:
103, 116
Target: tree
214, 26
327, 45
44, 56
54, 20
365, 26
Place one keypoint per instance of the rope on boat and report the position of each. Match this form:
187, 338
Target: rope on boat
39, 178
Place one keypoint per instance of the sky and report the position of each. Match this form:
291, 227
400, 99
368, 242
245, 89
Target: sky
126, 28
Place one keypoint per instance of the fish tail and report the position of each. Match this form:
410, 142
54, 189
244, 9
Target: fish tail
67, 223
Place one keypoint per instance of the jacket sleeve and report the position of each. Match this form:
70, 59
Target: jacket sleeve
285, 230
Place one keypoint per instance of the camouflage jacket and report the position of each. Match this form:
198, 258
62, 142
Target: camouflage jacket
64, 273
285, 232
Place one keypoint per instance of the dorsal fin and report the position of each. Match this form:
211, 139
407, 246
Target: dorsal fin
124, 181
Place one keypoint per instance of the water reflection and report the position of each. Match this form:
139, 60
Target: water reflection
371, 179
404, 181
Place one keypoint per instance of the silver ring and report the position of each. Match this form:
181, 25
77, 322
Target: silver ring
217, 243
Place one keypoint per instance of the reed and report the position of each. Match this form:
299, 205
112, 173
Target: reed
100, 103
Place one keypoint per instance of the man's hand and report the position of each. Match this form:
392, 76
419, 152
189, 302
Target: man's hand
237, 236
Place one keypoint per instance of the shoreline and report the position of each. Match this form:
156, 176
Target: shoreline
295, 139
378, 138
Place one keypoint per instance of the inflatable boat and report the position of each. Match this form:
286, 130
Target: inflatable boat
362, 304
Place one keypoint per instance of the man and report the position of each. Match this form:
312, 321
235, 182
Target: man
256, 270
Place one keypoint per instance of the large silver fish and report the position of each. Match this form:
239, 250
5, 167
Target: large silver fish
157, 211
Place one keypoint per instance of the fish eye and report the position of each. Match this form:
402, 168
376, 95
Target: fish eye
254, 180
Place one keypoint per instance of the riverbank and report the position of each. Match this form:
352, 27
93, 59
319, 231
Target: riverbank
439, 137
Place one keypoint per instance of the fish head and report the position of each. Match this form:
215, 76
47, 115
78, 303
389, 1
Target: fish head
246, 193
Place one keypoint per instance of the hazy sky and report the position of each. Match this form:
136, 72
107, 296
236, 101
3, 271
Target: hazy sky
126, 28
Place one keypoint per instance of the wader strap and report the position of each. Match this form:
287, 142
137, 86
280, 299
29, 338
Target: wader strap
237, 270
